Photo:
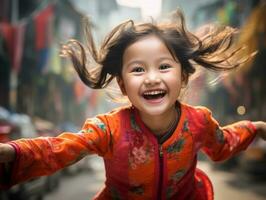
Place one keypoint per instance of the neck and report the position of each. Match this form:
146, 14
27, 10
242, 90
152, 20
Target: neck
160, 124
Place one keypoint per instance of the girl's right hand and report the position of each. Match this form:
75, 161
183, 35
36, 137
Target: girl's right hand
7, 153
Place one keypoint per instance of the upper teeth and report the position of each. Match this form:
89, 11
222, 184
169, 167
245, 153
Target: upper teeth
154, 92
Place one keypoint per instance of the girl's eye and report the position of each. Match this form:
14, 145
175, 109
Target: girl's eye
138, 69
164, 66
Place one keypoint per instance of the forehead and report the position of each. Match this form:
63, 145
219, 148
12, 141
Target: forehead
145, 48
148, 42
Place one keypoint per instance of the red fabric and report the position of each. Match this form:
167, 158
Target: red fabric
204, 186
43, 27
14, 37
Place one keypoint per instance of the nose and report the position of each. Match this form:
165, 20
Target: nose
152, 78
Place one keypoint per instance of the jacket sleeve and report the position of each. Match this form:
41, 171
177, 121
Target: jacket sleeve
45, 155
220, 143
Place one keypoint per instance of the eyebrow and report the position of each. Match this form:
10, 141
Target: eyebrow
167, 58
137, 61
160, 59
133, 62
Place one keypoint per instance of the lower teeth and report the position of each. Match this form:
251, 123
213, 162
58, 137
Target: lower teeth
153, 96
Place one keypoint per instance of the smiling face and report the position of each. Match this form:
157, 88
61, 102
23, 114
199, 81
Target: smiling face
151, 77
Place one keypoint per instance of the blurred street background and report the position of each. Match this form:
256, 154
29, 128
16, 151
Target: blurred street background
41, 95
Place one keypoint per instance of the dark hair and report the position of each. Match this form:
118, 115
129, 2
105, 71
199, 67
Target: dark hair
106, 64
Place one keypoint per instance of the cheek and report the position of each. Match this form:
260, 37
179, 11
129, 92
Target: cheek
132, 84
174, 84
174, 79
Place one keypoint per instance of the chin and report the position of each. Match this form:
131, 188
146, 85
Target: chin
153, 111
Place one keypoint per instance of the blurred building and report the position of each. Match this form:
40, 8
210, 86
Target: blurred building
106, 14
34, 79
233, 12
33, 74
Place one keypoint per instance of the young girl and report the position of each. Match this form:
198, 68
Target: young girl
149, 147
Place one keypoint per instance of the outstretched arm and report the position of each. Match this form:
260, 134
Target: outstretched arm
24, 159
261, 129
223, 142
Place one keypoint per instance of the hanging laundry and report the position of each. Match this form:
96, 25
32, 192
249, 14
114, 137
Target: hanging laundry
43, 27
14, 37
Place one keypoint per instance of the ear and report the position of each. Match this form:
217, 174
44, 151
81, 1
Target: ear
184, 79
121, 85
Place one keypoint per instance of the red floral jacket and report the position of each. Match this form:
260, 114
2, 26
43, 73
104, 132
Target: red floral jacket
137, 166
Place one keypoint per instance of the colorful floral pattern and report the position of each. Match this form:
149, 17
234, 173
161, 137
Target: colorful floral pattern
173, 182
99, 123
89, 130
141, 149
139, 190
177, 146
185, 126
219, 135
134, 124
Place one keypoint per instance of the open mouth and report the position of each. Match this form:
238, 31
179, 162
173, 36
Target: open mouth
155, 94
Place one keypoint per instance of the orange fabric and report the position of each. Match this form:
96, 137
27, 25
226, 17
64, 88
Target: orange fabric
135, 166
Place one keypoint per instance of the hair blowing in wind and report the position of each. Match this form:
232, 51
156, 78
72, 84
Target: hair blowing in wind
98, 67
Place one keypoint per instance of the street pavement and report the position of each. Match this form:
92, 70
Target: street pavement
227, 185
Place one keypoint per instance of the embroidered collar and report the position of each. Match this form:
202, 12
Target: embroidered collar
138, 125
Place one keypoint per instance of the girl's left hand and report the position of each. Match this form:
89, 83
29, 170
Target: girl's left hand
261, 129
